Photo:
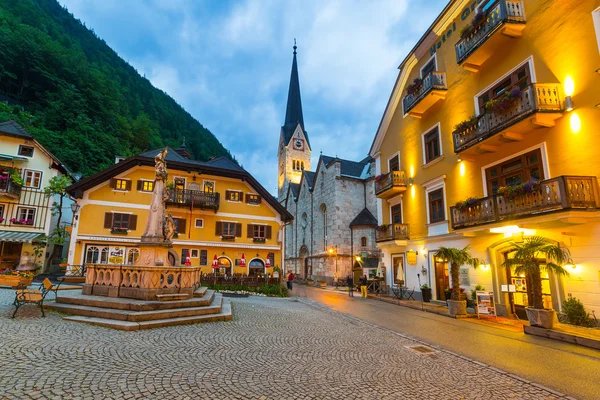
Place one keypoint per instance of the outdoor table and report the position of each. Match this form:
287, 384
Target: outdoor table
400, 291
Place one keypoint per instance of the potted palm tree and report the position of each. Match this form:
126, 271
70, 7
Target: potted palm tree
457, 305
532, 257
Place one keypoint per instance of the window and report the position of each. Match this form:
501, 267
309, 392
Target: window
233, 195
209, 187
324, 218
519, 79
228, 229
194, 253
396, 214
436, 206
394, 163
184, 254
432, 145
252, 199
363, 241
180, 224
120, 221
104, 255
133, 255
145, 186
259, 231
524, 168
199, 223
92, 254
121, 184
297, 165
25, 215
428, 68
203, 257
32, 179
25, 151
1, 211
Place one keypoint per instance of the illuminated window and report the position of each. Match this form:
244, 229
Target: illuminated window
233, 195
32, 179
146, 186
252, 199
121, 184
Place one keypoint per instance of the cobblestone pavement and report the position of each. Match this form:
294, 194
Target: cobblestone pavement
273, 349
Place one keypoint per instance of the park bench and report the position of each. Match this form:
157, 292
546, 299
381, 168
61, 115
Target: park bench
36, 296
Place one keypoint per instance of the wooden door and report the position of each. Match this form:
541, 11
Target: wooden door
442, 280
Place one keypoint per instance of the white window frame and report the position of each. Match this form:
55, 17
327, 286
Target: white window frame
230, 223
430, 186
391, 158
20, 209
394, 201
132, 250
25, 145
34, 171
500, 79
201, 220
543, 150
194, 251
264, 227
2, 206
214, 184
427, 62
424, 152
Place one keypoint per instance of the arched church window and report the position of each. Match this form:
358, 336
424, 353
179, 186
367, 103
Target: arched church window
363, 241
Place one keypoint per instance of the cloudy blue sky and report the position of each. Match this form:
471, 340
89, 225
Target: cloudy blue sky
228, 64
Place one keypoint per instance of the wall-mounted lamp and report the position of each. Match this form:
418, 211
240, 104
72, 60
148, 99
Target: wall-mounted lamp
569, 89
75, 207
423, 270
410, 181
458, 159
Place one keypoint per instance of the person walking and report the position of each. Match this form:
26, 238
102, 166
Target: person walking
350, 283
363, 287
290, 280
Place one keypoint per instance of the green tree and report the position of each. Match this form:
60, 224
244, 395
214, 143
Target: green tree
56, 188
457, 257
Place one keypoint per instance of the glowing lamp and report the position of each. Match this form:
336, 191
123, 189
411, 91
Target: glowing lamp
569, 89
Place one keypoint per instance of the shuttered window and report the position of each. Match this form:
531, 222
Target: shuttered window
120, 184
228, 229
252, 198
233, 195
145, 186
120, 221
180, 224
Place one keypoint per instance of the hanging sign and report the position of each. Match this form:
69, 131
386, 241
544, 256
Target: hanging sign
485, 303
411, 257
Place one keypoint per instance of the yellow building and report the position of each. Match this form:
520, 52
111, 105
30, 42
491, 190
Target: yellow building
495, 95
26, 168
219, 209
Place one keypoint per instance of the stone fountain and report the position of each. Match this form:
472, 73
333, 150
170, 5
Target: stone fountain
151, 276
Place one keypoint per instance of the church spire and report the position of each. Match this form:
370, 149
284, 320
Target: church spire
293, 113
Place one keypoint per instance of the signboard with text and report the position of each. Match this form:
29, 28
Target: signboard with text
485, 303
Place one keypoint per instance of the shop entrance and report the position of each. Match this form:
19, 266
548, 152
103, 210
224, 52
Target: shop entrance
442, 279
398, 270
224, 266
520, 298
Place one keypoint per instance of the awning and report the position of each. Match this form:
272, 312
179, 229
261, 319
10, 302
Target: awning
8, 157
21, 237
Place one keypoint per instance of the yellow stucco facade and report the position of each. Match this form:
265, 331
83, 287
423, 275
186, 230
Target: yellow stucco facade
542, 50
196, 224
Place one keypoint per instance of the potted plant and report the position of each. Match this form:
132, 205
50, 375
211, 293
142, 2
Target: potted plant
457, 305
414, 87
535, 255
465, 204
504, 102
426, 293
447, 294
465, 126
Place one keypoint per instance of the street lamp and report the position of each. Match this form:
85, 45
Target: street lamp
331, 251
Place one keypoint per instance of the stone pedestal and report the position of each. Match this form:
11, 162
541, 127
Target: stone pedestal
154, 253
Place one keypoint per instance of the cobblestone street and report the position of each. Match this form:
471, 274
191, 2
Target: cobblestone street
273, 349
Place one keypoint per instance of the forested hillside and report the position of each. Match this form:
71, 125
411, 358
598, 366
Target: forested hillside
78, 97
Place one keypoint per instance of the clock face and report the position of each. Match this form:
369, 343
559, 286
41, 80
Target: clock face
298, 144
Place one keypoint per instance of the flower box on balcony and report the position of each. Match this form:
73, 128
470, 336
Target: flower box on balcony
228, 238
119, 231
21, 221
259, 240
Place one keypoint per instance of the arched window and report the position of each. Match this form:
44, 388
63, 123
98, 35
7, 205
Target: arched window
304, 221
133, 255
363, 241
104, 255
92, 254
324, 217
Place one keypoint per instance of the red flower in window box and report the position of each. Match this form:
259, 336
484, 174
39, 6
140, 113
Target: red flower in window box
119, 230
21, 221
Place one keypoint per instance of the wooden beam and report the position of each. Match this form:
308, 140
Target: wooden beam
513, 137
487, 148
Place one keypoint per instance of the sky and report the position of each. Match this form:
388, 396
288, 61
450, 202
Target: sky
228, 64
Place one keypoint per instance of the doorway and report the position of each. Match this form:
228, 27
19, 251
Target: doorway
224, 266
398, 270
442, 278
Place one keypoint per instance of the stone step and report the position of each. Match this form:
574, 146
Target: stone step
224, 315
136, 316
172, 296
120, 303
201, 291
72, 279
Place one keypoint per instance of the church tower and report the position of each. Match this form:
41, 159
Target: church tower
294, 148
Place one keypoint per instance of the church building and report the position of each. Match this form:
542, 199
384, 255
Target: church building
333, 205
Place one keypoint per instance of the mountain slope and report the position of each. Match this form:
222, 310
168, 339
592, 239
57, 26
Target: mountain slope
79, 98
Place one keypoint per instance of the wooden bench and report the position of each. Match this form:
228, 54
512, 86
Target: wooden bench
24, 296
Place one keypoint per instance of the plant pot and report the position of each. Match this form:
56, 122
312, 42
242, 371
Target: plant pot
457, 307
541, 318
426, 293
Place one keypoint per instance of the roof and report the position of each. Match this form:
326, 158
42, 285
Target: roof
364, 218
12, 128
295, 188
354, 169
293, 111
220, 166
310, 178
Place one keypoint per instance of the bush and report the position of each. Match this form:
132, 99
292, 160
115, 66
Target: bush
575, 312
474, 292
273, 290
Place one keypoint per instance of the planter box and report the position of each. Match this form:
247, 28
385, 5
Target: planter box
426, 293
541, 318
457, 307
14, 281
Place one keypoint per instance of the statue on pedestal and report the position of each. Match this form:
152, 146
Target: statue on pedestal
154, 232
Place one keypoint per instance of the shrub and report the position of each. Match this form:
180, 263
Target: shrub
474, 292
575, 312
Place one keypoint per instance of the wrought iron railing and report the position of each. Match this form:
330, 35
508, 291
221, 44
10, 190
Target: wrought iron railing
433, 80
537, 97
392, 232
387, 181
500, 12
193, 198
560, 193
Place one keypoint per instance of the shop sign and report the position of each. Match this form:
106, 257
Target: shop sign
463, 276
485, 303
116, 255
411, 257
452, 27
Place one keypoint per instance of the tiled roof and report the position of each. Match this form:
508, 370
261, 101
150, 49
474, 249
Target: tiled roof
364, 218
349, 168
310, 178
295, 188
172, 155
14, 129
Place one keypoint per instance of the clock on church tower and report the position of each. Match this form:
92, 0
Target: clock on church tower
299, 144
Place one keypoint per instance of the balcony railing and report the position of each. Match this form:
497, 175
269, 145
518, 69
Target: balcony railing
432, 81
390, 184
9, 188
560, 193
536, 98
500, 13
193, 198
392, 232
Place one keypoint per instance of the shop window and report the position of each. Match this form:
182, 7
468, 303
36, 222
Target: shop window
203, 257
184, 254
25, 151
92, 255
432, 145
32, 179
133, 255
436, 206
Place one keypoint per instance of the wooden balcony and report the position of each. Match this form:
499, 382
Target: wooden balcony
552, 195
538, 106
392, 232
8, 188
390, 184
433, 89
193, 199
503, 21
